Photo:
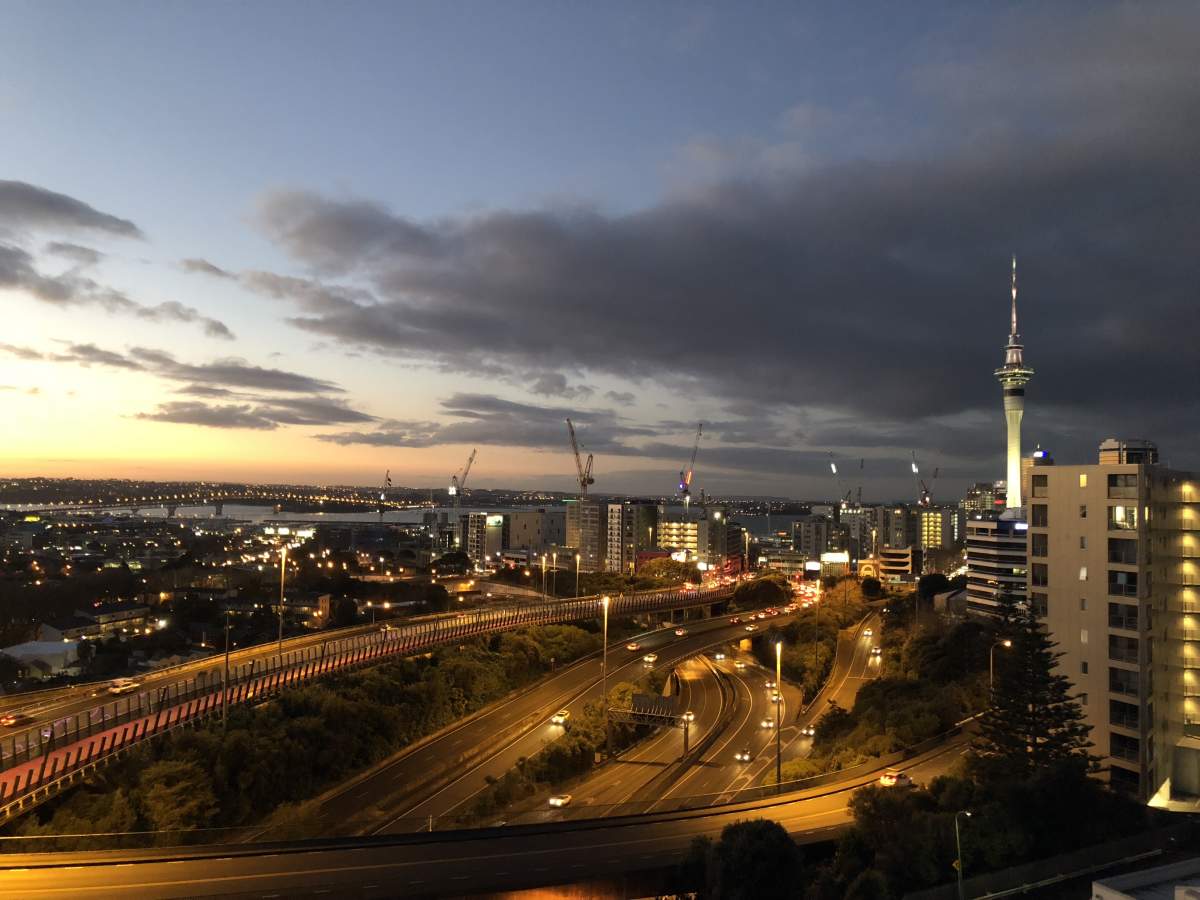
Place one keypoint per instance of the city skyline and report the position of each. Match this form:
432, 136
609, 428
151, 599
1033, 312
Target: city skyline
254, 271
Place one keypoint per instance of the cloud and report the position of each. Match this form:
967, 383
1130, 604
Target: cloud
28, 207
21, 352
265, 414
554, 384
624, 398
177, 312
871, 291
204, 267
83, 256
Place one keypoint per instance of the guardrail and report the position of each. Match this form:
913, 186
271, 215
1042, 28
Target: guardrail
44, 760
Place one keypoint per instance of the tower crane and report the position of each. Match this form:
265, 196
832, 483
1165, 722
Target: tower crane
924, 493
843, 499
585, 471
458, 483
685, 475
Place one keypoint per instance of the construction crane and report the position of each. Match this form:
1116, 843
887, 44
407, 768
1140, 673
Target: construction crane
458, 483
585, 471
685, 475
843, 499
924, 492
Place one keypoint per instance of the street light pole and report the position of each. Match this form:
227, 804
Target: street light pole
577, 558
778, 739
958, 846
554, 573
604, 601
282, 575
225, 682
543, 576
1004, 642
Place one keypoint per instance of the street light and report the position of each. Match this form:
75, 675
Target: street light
1003, 642
282, 575
604, 601
958, 845
554, 573
778, 739
577, 558
543, 576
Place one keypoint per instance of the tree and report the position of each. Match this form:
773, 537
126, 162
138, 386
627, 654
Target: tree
1034, 722
872, 588
932, 584
754, 860
176, 794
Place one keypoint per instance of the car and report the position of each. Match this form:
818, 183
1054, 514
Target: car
867, 632
15, 720
752, 628
734, 620
560, 717
650, 658
767, 723
739, 665
877, 650
807, 730
123, 686
776, 697
774, 613
718, 655
680, 632
770, 685
892, 778
744, 755
689, 716
762, 615
558, 801
633, 646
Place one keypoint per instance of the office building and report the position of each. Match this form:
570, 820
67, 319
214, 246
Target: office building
811, 535
937, 528
1114, 569
587, 533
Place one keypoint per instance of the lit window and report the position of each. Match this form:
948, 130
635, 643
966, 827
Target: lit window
1083, 573
1083, 635
1083, 479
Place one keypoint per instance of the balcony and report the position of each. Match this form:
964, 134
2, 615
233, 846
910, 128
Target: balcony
1177, 634
1185, 662
1122, 492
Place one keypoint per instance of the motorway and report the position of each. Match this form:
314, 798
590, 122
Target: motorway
452, 864
397, 796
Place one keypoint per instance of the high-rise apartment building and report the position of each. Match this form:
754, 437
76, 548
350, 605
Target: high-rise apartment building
811, 535
587, 533
1114, 568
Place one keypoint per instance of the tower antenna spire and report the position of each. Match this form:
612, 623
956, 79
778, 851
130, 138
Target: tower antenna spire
1014, 294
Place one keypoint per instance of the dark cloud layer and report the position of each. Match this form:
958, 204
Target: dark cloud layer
26, 206
867, 299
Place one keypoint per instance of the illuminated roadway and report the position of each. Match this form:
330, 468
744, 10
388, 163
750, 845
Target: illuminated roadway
453, 863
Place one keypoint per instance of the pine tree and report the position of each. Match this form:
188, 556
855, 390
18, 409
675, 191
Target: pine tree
1035, 721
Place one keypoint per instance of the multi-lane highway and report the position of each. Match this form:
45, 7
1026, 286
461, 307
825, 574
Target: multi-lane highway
455, 864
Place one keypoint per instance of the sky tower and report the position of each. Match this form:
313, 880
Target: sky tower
1013, 377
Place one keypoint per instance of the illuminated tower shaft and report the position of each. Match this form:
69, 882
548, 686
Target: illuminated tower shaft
1013, 377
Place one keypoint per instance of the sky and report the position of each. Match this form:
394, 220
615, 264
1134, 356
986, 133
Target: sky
314, 242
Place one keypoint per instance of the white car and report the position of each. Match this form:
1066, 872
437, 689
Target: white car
743, 756
891, 778
560, 717
767, 723
752, 628
867, 632
680, 632
770, 685
633, 646
123, 686
650, 658
560, 800
776, 697
807, 730
739, 665
877, 651
718, 655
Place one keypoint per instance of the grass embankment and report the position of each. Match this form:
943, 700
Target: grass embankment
929, 680
307, 740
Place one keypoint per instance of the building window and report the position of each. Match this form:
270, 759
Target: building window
1123, 747
1038, 543
1122, 681
1122, 649
1083, 635
1123, 615
1038, 515
1083, 699
1083, 479
1122, 487
1083, 542
1039, 575
1122, 518
1040, 604
1122, 714
1124, 780
1083, 573
1083, 510
1083, 604
1122, 584
1040, 485
1083, 667
1122, 551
